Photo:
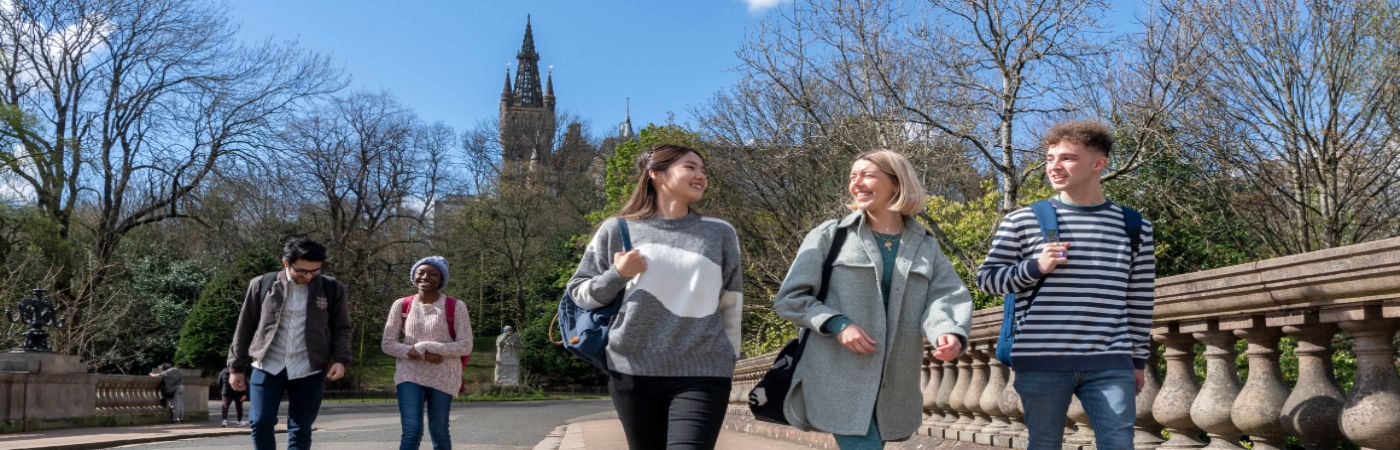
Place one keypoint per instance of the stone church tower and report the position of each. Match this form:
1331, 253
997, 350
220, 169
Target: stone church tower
527, 113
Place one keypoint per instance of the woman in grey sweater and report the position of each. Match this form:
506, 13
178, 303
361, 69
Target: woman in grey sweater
672, 346
891, 284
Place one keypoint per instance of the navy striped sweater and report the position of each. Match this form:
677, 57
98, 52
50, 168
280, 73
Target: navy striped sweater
1091, 313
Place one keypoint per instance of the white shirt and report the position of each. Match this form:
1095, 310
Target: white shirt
288, 349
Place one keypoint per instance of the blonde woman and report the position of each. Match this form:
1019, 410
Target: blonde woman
890, 287
674, 341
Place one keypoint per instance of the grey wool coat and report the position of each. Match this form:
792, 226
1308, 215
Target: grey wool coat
836, 390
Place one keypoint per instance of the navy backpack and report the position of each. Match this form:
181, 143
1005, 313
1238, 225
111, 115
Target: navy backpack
1050, 230
585, 331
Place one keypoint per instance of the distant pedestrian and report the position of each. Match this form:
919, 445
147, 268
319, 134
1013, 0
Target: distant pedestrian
231, 395
172, 390
293, 335
430, 354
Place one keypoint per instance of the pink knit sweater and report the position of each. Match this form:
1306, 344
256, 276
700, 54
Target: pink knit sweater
426, 330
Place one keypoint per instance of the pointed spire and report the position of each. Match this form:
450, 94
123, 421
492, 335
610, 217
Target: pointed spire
507, 88
549, 83
624, 130
528, 47
527, 72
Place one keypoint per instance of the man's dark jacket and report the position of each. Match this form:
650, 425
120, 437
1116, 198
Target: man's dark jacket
327, 322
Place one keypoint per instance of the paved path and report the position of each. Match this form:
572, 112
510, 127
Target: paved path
607, 435
590, 425
475, 426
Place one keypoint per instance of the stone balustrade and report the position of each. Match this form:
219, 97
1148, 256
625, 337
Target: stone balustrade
1310, 297
48, 391
126, 394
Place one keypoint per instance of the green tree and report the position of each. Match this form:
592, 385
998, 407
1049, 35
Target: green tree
622, 165
208, 331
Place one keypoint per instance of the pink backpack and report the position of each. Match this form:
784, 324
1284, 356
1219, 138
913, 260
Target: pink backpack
451, 329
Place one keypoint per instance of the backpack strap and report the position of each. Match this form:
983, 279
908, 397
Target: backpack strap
331, 287
626, 235
831, 253
265, 284
404, 309
1132, 224
1048, 220
451, 317
837, 240
1049, 223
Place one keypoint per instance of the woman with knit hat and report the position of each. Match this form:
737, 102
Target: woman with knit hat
430, 349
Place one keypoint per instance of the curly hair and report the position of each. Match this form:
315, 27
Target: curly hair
1089, 133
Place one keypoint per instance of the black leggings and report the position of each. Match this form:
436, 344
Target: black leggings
670, 412
238, 404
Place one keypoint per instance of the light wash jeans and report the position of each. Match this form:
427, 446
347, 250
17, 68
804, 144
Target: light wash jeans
412, 398
1108, 396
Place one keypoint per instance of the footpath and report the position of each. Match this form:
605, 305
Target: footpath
91, 438
604, 432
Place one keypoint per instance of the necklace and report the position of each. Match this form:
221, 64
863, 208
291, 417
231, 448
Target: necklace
888, 239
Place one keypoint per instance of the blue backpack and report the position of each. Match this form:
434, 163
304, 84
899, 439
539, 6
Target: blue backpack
1050, 230
585, 331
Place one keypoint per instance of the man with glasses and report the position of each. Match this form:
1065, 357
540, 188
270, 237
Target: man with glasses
294, 332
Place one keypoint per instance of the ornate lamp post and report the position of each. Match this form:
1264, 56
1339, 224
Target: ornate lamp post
38, 313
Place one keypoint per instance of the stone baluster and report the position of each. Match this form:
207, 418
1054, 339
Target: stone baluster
991, 400
972, 399
1256, 410
1011, 406
1371, 415
1147, 433
930, 373
1313, 409
955, 401
945, 396
1211, 410
1083, 434
933, 413
1172, 407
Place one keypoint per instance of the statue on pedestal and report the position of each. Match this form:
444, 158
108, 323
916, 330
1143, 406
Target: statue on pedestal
508, 358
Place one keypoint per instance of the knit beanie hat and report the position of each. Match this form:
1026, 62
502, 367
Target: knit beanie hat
436, 261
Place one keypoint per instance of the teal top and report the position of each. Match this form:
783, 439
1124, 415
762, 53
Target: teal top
889, 248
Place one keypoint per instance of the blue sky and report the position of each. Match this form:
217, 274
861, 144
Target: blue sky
447, 59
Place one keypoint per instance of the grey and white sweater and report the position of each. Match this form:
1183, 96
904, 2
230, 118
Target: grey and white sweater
680, 317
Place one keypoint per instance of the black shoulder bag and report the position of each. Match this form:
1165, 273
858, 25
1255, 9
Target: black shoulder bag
766, 400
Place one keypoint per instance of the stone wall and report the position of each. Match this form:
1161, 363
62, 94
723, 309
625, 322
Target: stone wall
1310, 297
50, 391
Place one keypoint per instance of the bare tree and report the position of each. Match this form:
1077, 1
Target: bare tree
1298, 104
369, 173
128, 105
522, 210
973, 70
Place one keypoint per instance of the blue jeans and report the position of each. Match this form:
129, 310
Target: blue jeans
411, 399
1108, 397
871, 440
265, 397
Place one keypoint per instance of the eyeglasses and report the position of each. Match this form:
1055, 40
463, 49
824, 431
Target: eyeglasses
304, 272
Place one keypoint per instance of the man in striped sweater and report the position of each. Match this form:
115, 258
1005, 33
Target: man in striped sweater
1083, 304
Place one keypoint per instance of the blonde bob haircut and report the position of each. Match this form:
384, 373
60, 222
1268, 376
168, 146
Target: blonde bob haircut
909, 194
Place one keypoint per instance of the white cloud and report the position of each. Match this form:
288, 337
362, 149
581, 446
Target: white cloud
762, 5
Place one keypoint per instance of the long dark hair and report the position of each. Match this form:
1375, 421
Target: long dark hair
660, 157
